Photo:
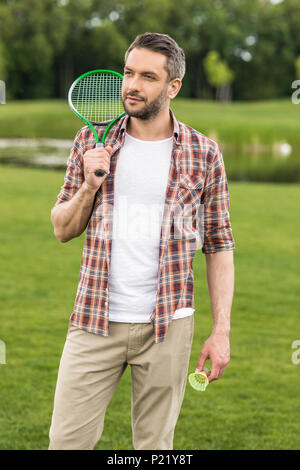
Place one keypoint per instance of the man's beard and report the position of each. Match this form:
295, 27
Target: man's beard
150, 110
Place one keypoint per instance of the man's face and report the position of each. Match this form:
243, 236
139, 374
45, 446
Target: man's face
145, 88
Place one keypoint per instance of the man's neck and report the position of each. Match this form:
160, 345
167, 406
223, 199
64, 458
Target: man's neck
159, 128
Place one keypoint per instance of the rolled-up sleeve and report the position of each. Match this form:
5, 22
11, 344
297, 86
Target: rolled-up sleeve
74, 175
215, 198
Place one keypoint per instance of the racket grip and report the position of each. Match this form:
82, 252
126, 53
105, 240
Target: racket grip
100, 172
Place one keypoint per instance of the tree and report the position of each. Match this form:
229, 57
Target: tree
2, 61
27, 27
45, 44
219, 75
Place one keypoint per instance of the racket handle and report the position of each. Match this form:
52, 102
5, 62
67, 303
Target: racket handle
100, 172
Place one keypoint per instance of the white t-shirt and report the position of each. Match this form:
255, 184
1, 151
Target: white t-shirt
139, 196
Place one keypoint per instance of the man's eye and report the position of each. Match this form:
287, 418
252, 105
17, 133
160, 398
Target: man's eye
127, 73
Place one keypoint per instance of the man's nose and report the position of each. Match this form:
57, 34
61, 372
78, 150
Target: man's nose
134, 83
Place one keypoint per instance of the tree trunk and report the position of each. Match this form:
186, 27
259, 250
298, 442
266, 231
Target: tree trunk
223, 92
66, 74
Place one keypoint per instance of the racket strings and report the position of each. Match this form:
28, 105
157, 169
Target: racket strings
97, 97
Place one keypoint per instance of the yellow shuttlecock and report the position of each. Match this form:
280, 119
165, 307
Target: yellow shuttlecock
199, 380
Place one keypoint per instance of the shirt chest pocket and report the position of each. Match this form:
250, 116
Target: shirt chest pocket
190, 188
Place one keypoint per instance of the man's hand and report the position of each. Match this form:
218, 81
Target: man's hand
96, 159
217, 349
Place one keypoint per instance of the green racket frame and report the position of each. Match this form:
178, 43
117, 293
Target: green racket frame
86, 121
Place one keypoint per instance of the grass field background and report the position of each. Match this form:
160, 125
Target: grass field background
251, 135
234, 123
255, 405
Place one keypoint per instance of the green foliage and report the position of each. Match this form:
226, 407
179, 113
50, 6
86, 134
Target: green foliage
2, 62
48, 43
106, 48
217, 70
297, 67
139, 16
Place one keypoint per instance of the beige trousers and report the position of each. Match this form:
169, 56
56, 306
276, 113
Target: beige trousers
91, 367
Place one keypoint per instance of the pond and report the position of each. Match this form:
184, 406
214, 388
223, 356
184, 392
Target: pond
277, 163
42, 153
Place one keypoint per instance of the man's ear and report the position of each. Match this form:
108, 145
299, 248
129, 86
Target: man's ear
174, 87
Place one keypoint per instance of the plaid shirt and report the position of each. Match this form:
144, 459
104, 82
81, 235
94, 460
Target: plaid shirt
197, 180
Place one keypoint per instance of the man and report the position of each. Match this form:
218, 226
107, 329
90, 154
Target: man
135, 301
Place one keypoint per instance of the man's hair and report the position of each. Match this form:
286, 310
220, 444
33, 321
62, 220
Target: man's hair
165, 45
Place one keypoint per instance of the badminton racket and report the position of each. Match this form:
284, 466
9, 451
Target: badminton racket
95, 97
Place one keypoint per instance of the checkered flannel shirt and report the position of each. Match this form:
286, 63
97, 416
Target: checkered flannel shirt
197, 180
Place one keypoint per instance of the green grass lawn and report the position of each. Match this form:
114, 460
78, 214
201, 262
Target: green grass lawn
255, 405
236, 123
250, 134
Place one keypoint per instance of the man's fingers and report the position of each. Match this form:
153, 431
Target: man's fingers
108, 149
214, 373
99, 151
222, 370
201, 362
97, 159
